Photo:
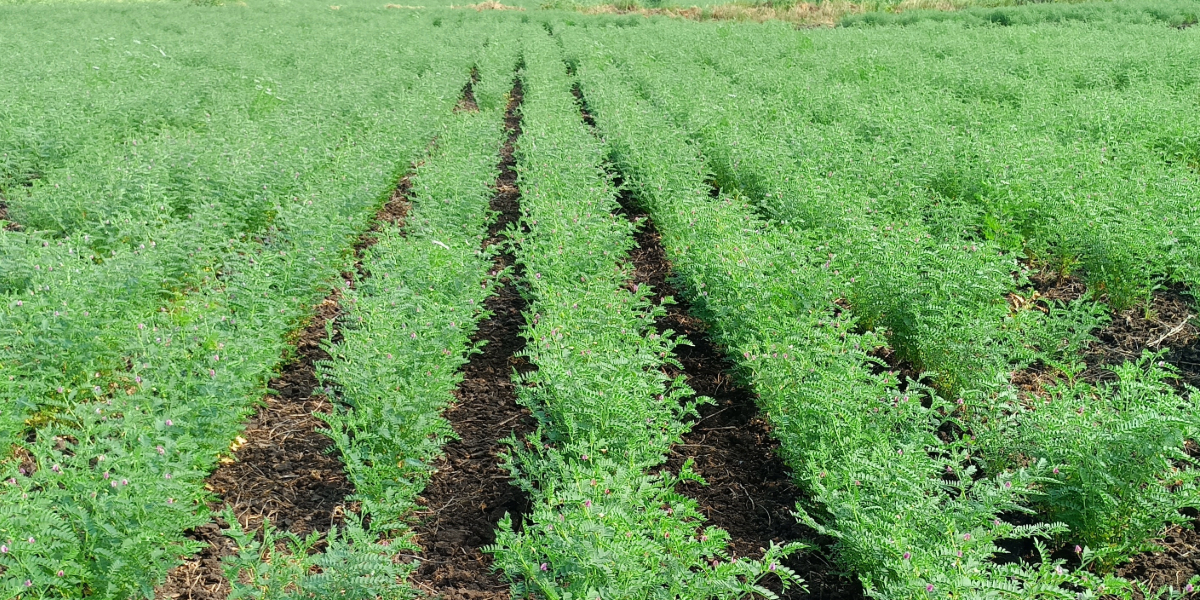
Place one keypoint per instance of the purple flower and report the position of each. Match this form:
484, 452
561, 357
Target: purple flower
106, 474
56, 469
1007, 484
138, 379
907, 555
1188, 588
929, 587
212, 373
31, 540
1078, 549
161, 450
587, 503
545, 566
124, 482
169, 423
28, 583
3, 549
167, 476
1055, 470
966, 537
60, 573
772, 567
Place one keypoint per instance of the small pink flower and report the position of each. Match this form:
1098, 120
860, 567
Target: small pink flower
584, 457
31, 540
1007, 484
929, 587
1188, 588
907, 555
60, 573
106, 474
124, 482
56, 469
772, 567
966, 537
1078, 550
901, 452
28, 583
545, 566
169, 423
170, 501
161, 450
212, 373
138, 379
167, 476
587, 503
3, 549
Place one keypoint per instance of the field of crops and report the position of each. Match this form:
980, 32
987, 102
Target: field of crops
366, 301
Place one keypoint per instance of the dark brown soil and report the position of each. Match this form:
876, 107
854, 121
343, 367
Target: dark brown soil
1178, 563
750, 493
470, 491
1168, 322
282, 468
467, 102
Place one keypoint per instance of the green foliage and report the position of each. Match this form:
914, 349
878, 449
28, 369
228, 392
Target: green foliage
602, 524
274, 565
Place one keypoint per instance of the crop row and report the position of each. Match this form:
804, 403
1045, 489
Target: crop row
107, 464
940, 282
911, 513
605, 521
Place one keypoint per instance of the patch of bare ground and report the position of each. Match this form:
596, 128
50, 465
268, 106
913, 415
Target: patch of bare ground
470, 491
467, 102
282, 468
1168, 323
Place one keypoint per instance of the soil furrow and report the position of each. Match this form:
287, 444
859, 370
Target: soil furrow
750, 493
471, 491
467, 102
282, 468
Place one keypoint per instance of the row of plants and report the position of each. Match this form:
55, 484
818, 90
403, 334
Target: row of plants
404, 332
136, 184
912, 513
98, 491
605, 519
940, 287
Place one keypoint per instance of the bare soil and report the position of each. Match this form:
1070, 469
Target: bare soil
4, 217
470, 491
467, 102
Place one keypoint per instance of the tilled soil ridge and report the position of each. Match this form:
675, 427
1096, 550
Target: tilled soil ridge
470, 491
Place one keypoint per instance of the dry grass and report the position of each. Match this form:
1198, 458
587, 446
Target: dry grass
825, 14
403, 6
489, 5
